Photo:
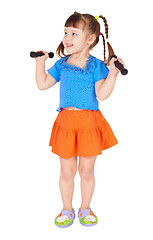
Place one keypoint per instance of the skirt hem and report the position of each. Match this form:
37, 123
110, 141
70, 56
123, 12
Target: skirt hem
80, 154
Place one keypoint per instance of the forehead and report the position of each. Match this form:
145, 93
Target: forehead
73, 29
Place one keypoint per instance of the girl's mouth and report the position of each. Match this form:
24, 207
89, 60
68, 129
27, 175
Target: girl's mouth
69, 45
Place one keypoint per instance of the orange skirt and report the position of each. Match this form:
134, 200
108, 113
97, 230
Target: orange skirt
82, 133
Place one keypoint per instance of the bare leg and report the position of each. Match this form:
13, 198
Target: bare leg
66, 181
86, 170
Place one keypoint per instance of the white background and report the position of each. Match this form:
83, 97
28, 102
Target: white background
29, 172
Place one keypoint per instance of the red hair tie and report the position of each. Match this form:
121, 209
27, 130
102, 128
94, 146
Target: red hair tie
100, 34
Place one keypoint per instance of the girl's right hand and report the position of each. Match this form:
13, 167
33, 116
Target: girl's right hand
42, 58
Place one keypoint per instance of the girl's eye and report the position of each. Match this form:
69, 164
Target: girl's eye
74, 34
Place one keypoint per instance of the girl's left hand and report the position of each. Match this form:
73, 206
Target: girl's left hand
113, 68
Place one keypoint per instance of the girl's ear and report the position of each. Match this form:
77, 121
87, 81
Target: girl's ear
91, 39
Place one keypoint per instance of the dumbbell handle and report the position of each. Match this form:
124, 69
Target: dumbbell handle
39, 54
120, 66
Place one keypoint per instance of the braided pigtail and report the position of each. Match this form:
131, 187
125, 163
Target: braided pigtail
110, 49
104, 46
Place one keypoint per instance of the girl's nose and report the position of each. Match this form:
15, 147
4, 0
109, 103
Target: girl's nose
68, 37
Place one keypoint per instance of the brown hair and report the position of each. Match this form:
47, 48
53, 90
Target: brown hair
92, 26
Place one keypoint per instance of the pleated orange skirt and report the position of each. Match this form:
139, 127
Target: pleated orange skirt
82, 133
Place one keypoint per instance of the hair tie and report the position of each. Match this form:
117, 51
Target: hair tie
96, 17
102, 35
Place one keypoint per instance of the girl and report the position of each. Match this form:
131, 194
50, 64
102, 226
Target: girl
80, 128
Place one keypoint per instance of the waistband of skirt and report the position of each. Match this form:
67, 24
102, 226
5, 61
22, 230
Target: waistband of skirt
82, 111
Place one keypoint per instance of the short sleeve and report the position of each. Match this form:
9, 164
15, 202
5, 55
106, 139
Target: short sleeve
54, 71
101, 71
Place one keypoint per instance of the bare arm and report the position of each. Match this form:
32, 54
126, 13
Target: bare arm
107, 86
40, 73
43, 80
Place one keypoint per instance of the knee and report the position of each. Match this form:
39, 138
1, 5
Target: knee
86, 173
68, 174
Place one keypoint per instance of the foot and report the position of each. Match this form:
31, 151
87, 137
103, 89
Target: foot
87, 217
65, 218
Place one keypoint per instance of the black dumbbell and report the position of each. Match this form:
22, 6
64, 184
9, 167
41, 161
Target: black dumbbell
39, 54
120, 66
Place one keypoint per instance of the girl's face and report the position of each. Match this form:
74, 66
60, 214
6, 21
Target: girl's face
75, 40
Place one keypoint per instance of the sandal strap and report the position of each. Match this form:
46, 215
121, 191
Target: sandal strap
69, 214
84, 213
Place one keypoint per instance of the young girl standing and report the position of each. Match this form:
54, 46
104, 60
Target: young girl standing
80, 128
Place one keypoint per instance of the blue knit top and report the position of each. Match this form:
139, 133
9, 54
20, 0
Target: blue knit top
77, 85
